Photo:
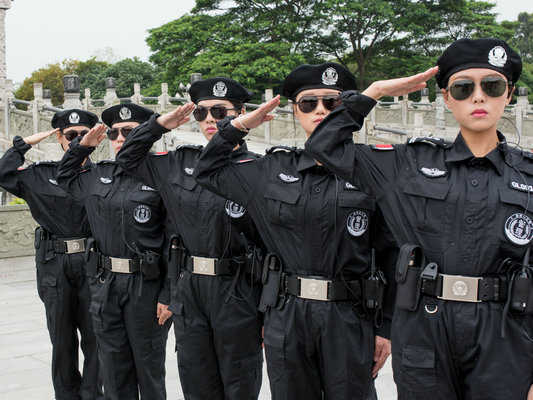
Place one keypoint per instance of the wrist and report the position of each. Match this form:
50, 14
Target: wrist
237, 123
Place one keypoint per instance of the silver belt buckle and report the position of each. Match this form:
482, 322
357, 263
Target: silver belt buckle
75, 246
460, 288
314, 289
120, 265
204, 265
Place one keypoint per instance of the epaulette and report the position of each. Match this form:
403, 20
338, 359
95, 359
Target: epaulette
433, 141
190, 146
381, 147
47, 162
108, 161
159, 153
288, 149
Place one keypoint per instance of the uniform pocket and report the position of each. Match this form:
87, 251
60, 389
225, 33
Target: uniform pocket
284, 208
177, 316
275, 353
417, 366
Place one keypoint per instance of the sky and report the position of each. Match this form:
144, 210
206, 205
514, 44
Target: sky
41, 32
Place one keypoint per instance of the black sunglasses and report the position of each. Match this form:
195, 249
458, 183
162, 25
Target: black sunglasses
218, 112
492, 86
72, 134
308, 103
112, 133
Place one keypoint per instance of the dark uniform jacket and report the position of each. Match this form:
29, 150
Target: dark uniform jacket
51, 206
209, 225
467, 213
126, 216
318, 224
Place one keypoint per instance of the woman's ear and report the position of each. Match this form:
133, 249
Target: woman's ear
445, 95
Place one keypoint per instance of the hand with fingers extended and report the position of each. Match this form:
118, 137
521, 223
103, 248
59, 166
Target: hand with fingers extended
177, 117
245, 122
94, 137
382, 351
400, 86
37, 137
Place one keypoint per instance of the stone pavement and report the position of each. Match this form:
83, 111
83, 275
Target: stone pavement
25, 349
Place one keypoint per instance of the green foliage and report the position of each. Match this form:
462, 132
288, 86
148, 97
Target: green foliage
16, 200
51, 77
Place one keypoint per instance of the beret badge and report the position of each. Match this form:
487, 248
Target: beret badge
220, 89
330, 76
497, 56
74, 118
125, 113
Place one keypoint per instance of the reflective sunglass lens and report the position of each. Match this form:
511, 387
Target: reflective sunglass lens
219, 112
125, 131
494, 87
200, 113
461, 90
307, 104
112, 134
331, 102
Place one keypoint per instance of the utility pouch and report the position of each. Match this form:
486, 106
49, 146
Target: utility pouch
175, 254
271, 278
91, 257
41, 244
522, 291
408, 270
150, 265
374, 288
253, 262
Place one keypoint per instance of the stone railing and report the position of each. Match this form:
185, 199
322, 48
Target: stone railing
16, 231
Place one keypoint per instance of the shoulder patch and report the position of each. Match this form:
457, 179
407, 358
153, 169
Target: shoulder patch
190, 146
288, 149
432, 141
108, 161
21, 168
47, 162
159, 153
245, 160
382, 147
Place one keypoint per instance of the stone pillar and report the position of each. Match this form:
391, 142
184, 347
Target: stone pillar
110, 98
164, 99
195, 77
440, 110
36, 105
405, 110
6, 99
521, 107
71, 86
4, 6
47, 97
87, 101
137, 96
269, 95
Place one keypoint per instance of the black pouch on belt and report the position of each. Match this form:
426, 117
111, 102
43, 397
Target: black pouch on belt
522, 291
91, 257
408, 270
41, 244
271, 278
150, 265
175, 253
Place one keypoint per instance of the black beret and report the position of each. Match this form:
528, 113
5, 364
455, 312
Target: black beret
126, 113
328, 76
74, 117
488, 53
219, 88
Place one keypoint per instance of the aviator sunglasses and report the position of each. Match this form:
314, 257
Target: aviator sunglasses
218, 112
72, 134
112, 133
492, 86
308, 103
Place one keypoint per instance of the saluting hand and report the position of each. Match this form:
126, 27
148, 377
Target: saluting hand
37, 137
94, 137
257, 117
163, 313
177, 117
530, 394
382, 351
400, 86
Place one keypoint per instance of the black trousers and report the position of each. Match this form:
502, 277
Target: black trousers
450, 350
63, 288
318, 350
131, 343
218, 342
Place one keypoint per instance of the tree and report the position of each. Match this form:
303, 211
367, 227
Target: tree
51, 77
522, 40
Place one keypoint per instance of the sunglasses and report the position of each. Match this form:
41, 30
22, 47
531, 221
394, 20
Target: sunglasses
72, 134
308, 103
217, 112
112, 133
492, 86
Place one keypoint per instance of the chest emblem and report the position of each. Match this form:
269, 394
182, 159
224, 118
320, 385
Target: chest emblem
142, 214
288, 178
433, 172
519, 229
522, 187
52, 181
189, 171
105, 180
146, 188
234, 210
349, 186
357, 223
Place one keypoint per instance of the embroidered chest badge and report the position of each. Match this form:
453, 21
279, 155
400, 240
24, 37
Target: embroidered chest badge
357, 223
189, 171
433, 172
349, 186
288, 178
142, 214
52, 181
234, 210
519, 228
522, 187
105, 180
146, 188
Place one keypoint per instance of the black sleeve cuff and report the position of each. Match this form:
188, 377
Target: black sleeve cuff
79, 150
21, 146
384, 329
229, 132
155, 129
358, 102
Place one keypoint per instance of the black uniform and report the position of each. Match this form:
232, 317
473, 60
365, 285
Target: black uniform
61, 276
127, 221
217, 324
467, 214
320, 227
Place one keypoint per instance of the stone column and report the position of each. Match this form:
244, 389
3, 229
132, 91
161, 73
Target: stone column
164, 99
440, 110
195, 77
110, 98
4, 6
71, 86
137, 96
36, 105
87, 101
521, 108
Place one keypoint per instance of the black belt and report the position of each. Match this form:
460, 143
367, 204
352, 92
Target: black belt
67, 246
465, 288
120, 265
211, 266
318, 288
